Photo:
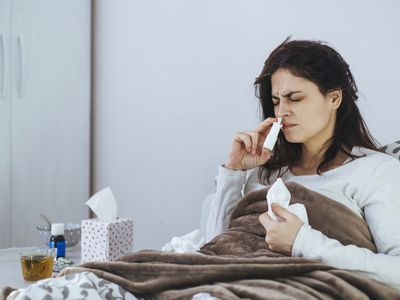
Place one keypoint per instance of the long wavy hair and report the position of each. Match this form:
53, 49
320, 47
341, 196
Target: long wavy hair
325, 67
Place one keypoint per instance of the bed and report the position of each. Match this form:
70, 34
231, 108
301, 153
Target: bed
234, 265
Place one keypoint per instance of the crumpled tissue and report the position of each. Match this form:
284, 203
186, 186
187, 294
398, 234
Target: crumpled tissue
204, 296
279, 194
187, 243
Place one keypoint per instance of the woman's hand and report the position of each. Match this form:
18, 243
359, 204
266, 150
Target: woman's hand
247, 150
280, 235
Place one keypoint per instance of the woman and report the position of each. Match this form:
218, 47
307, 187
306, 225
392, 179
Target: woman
325, 146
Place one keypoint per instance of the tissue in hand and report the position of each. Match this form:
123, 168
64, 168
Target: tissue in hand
188, 243
279, 194
106, 237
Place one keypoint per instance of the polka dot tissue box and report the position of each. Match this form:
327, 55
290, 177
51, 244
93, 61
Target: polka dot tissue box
106, 240
106, 237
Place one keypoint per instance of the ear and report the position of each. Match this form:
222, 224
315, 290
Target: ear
335, 98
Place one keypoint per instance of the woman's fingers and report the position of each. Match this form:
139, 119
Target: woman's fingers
242, 137
247, 151
250, 140
264, 219
265, 125
254, 141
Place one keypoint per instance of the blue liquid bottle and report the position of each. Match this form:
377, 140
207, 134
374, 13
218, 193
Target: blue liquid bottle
57, 239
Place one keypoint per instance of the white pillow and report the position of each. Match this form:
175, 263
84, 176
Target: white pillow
392, 149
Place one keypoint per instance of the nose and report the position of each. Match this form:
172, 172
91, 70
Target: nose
281, 110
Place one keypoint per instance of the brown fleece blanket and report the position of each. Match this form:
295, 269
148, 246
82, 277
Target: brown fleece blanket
238, 264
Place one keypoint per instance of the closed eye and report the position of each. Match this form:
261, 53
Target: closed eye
276, 101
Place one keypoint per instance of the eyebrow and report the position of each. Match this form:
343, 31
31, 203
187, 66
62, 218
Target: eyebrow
287, 95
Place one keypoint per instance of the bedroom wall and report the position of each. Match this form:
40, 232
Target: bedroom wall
174, 82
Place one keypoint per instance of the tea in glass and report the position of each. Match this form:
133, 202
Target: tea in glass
37, 264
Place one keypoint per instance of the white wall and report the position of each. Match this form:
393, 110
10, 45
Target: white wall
174, 82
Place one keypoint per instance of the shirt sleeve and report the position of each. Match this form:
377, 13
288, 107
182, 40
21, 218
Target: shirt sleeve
229, 190
380, 202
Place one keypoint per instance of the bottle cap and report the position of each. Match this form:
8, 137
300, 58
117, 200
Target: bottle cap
57, 229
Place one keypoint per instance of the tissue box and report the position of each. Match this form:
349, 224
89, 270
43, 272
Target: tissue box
105, 241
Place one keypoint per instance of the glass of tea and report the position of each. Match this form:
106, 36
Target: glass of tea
37, 264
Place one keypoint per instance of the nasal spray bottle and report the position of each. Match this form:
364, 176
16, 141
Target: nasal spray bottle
273, 135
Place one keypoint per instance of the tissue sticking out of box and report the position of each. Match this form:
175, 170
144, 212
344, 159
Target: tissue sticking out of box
104, 205
279, 194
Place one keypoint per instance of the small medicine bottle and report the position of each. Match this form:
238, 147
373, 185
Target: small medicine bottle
57, 239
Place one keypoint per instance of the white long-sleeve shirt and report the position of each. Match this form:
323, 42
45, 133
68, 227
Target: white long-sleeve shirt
369, 186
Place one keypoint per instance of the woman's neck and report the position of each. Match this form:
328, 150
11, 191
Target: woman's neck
312, 157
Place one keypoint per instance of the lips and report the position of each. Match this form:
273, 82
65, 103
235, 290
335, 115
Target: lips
286, 125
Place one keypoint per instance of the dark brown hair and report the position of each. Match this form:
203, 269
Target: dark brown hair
325, 67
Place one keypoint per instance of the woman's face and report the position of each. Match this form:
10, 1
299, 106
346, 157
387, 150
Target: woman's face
308, 116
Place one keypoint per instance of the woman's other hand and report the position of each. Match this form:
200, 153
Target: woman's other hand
247, 150
280, 235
